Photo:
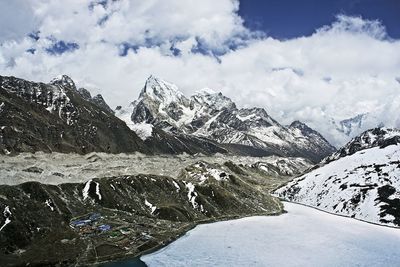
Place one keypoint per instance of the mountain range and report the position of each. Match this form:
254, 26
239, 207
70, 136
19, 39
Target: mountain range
211, 115
60, 117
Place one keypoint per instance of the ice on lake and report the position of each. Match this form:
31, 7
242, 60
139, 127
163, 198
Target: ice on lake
302, 237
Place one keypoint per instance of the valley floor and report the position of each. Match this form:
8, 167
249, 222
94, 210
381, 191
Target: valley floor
302, 237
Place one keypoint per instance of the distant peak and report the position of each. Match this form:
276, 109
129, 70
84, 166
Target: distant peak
63, 80
84, 93
206, 91
376, 137
161, 90
305, 129
154, 79
99, 97
299, 125
213, 99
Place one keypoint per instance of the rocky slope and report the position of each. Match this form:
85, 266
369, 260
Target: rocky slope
361, 180
213, 116
58, 117
116, 217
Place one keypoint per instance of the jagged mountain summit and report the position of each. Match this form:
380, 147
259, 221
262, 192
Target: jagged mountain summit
213, 116
341, 131
377, 137
360, 180
98, 99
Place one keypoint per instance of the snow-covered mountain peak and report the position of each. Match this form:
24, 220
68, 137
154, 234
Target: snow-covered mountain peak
348, 125
377, 137
299, 125
212, 99
161, 91
304, 130
206, 91
342, 131
63, 80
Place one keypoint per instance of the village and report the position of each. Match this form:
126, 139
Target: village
111, 233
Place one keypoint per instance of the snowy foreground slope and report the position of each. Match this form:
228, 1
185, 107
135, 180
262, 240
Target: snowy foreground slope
361, 180
301, 237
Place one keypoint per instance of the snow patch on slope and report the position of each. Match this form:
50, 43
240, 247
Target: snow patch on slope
151, 206
143, 130
85, 191
6, 214
192, 194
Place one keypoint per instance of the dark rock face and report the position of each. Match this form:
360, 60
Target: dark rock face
390, 204
99, 101
142, 114
85, 94
84, 223
55, 117
315, 141
168, 143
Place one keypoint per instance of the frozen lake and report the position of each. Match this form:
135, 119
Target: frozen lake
302, 237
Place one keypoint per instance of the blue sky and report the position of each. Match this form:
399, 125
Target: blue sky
293, 18
300, 60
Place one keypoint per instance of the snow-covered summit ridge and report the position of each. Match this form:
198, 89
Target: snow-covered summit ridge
211, 99
64, 80
377, 137
160, 90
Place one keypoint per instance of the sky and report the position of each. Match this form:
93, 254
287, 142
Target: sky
314, 61
286, 19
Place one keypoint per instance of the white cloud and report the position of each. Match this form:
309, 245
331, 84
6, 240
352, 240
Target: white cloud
343, 69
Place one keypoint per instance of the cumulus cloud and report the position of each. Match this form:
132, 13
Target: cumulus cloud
343, 69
